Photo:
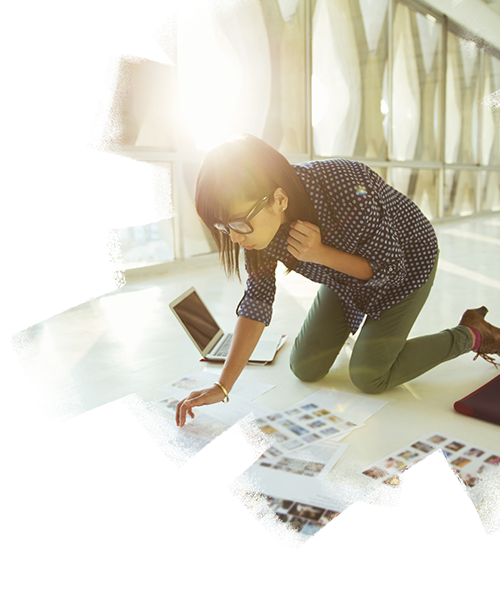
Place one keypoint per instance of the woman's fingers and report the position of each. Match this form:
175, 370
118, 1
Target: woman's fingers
186, 406
183, 408
304, 228
198, 398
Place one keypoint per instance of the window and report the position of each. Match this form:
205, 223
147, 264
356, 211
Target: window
362, 79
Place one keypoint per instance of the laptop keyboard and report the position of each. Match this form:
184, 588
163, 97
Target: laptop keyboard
223, 349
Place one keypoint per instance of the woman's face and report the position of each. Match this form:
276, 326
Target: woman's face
265, 223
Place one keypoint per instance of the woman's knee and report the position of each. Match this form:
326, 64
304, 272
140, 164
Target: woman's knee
306, 370
367, 381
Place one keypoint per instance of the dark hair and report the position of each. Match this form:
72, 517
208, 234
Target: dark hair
248, 169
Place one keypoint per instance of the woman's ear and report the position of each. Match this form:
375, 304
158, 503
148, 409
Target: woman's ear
280, 199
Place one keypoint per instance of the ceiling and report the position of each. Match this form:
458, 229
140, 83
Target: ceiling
494, 5
480, 17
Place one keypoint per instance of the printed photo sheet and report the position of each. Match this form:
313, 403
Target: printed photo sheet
289, 510
324, 415
469, 461
351, 407
304, 424
315, 460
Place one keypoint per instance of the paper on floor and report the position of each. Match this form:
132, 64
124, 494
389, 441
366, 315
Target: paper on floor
289, 510
303, 424
243, 390
318, 420
316, 460
352, 407
305, 437
181, 444
472, 464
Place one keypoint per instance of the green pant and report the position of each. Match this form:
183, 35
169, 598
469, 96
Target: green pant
382, 357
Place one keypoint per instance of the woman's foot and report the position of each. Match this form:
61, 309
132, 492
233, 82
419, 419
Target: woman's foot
489, 342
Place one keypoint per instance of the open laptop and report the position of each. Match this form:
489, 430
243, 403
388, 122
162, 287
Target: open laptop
209, 338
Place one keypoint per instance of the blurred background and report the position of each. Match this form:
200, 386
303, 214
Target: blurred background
396, 84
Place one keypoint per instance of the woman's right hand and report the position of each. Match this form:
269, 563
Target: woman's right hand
199, 398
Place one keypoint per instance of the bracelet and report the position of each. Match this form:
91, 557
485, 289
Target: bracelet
224, 390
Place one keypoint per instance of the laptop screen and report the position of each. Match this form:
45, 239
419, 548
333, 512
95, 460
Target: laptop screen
196, 319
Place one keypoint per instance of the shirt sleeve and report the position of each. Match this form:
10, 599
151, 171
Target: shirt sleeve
258, 299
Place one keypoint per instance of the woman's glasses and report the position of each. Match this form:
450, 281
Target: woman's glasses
242, 225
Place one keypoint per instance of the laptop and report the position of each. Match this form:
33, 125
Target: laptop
212, 343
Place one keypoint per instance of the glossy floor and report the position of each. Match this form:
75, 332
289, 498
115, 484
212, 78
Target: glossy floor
129, 342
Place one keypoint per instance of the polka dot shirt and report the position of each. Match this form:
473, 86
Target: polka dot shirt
359, 213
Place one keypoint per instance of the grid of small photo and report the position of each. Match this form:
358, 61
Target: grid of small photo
304, 518
468, 461
305, 424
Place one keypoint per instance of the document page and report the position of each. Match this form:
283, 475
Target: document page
289, 510
326, 415
316, 460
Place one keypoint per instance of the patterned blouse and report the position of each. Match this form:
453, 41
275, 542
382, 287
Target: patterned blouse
359, 213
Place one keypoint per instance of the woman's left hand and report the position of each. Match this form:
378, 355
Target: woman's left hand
304, 242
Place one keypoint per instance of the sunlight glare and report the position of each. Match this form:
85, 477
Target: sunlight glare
209, 78
319, 100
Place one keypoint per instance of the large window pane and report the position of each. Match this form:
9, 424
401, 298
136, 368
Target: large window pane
417, 86
462, 101
460, 192
286, 125
490, 150
196, 237
151, 242
349, 91
421, 185
490, 190
243, 69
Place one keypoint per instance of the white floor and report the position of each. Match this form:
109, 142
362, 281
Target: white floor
129, 342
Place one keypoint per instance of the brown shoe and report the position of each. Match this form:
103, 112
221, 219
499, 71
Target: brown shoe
490, 335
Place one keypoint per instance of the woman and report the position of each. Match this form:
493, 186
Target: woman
337, 223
